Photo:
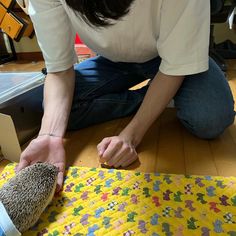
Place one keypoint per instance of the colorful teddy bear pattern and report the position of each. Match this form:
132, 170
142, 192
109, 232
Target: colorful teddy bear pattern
116, 202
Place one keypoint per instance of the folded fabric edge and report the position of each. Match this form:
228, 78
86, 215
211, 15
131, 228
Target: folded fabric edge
6, 224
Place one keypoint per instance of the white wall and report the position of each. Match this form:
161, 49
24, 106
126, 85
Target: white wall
27, 45
222, 32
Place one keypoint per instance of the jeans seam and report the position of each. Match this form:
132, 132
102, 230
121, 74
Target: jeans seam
115, 101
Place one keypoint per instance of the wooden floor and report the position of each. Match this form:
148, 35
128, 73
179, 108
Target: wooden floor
166, 148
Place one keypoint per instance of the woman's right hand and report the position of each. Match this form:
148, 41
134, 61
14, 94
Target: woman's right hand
48, 149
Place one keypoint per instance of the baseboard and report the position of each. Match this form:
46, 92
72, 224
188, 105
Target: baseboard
30, 56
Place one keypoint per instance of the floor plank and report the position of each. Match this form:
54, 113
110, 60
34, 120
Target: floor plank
22, 66
3, 163
224, 154
148, 149
170, 153
198, 156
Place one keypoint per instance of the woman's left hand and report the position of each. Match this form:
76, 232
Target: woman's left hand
116, 151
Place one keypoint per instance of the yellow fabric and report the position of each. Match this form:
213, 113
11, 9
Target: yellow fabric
116, 202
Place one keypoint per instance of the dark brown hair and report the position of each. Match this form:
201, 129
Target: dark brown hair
100, 12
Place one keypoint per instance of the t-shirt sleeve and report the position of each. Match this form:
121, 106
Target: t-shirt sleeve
183, 42
54, 33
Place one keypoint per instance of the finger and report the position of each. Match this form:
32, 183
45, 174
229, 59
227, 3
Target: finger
102, 146
60, 179
129, 151
127, 160
23, 163
60, 176
117, 157
111, 151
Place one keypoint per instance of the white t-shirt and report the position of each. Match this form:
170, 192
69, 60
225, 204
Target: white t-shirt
176, 30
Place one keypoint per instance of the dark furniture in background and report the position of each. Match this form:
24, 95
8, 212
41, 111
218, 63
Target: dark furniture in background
6, 56
15, 24
220, 12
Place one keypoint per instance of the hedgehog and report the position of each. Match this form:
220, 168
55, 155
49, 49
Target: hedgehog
28, 193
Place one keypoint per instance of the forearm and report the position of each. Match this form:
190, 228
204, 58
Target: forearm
58, 94
160, 92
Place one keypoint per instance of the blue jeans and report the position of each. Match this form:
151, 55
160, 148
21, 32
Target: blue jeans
204, 102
